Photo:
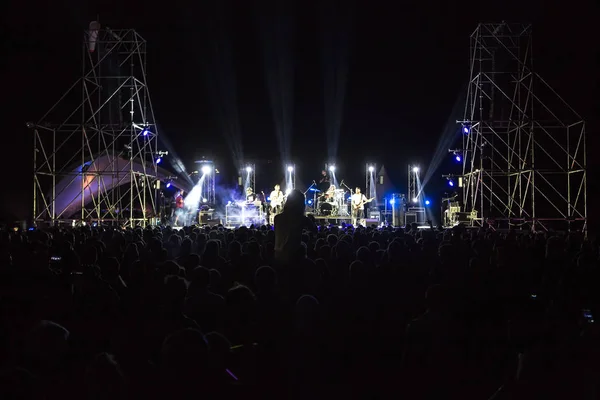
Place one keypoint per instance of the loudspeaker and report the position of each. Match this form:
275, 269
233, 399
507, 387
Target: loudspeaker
371, 221
410, 218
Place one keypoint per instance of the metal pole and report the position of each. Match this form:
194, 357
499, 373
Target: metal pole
35, 136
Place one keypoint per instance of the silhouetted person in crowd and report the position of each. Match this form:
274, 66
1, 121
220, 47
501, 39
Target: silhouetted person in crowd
289, 226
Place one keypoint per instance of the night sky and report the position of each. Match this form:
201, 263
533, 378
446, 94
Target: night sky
406, 67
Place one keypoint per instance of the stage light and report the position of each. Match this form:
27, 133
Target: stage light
427, 202
158, 160
415, 200
415, 169
248, 169
288, 191
204, 200
458, 158
268, 198
371, 168
450, 182
145, 132
206, 169
168, 185
290, 168
309, 202
332, 168
393, 201
466, 130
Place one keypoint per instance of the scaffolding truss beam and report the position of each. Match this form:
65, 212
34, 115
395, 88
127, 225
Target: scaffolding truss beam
524, 147
95, 149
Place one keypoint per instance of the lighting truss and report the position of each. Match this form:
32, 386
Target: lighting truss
413, 178
371, 181
248, 177
95, 149
524, 147
290, 177
207, 174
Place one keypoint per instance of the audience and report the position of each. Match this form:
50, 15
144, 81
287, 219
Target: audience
298, 312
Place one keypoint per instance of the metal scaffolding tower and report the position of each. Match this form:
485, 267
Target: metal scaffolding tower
206, 184
414, 195
371, 182
95, 150
524, 154
247, 177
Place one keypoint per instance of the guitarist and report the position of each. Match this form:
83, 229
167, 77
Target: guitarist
358, 207
277, 199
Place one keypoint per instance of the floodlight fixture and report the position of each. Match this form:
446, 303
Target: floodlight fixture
248, 169
206, 169
332, 168
290, 168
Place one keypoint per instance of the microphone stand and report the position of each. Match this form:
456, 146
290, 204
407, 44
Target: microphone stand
311, 185
346, 186
351, 192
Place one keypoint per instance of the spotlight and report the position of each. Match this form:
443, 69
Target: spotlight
206, 169
466, 129
332, 168
145, 132
458, 158
204, 200
290, 168
393, 201
158, 160
168, 185
415, 169
450, 182
427, 202
309, 202
288, 191
371, 168
415, 200
248, 169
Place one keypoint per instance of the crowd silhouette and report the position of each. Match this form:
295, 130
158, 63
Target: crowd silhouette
208, 312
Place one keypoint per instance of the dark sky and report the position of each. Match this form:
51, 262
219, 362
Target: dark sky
406, 67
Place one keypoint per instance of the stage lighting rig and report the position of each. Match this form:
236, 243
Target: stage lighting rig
457, 154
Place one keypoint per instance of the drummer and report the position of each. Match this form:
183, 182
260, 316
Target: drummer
330, 194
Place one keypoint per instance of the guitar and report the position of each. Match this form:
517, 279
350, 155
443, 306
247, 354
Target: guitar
362, 203
278, 201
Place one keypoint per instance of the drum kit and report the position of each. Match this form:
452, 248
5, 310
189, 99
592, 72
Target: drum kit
333, 203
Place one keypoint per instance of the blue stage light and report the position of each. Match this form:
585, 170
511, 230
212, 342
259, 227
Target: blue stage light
393, 201
427, 202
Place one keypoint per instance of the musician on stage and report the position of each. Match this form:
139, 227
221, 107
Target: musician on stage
276, 199
358, 207
179, 206
250, 195
324, 181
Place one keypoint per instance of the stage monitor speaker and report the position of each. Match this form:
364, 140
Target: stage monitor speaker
371, 221
410, 218
374, 215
